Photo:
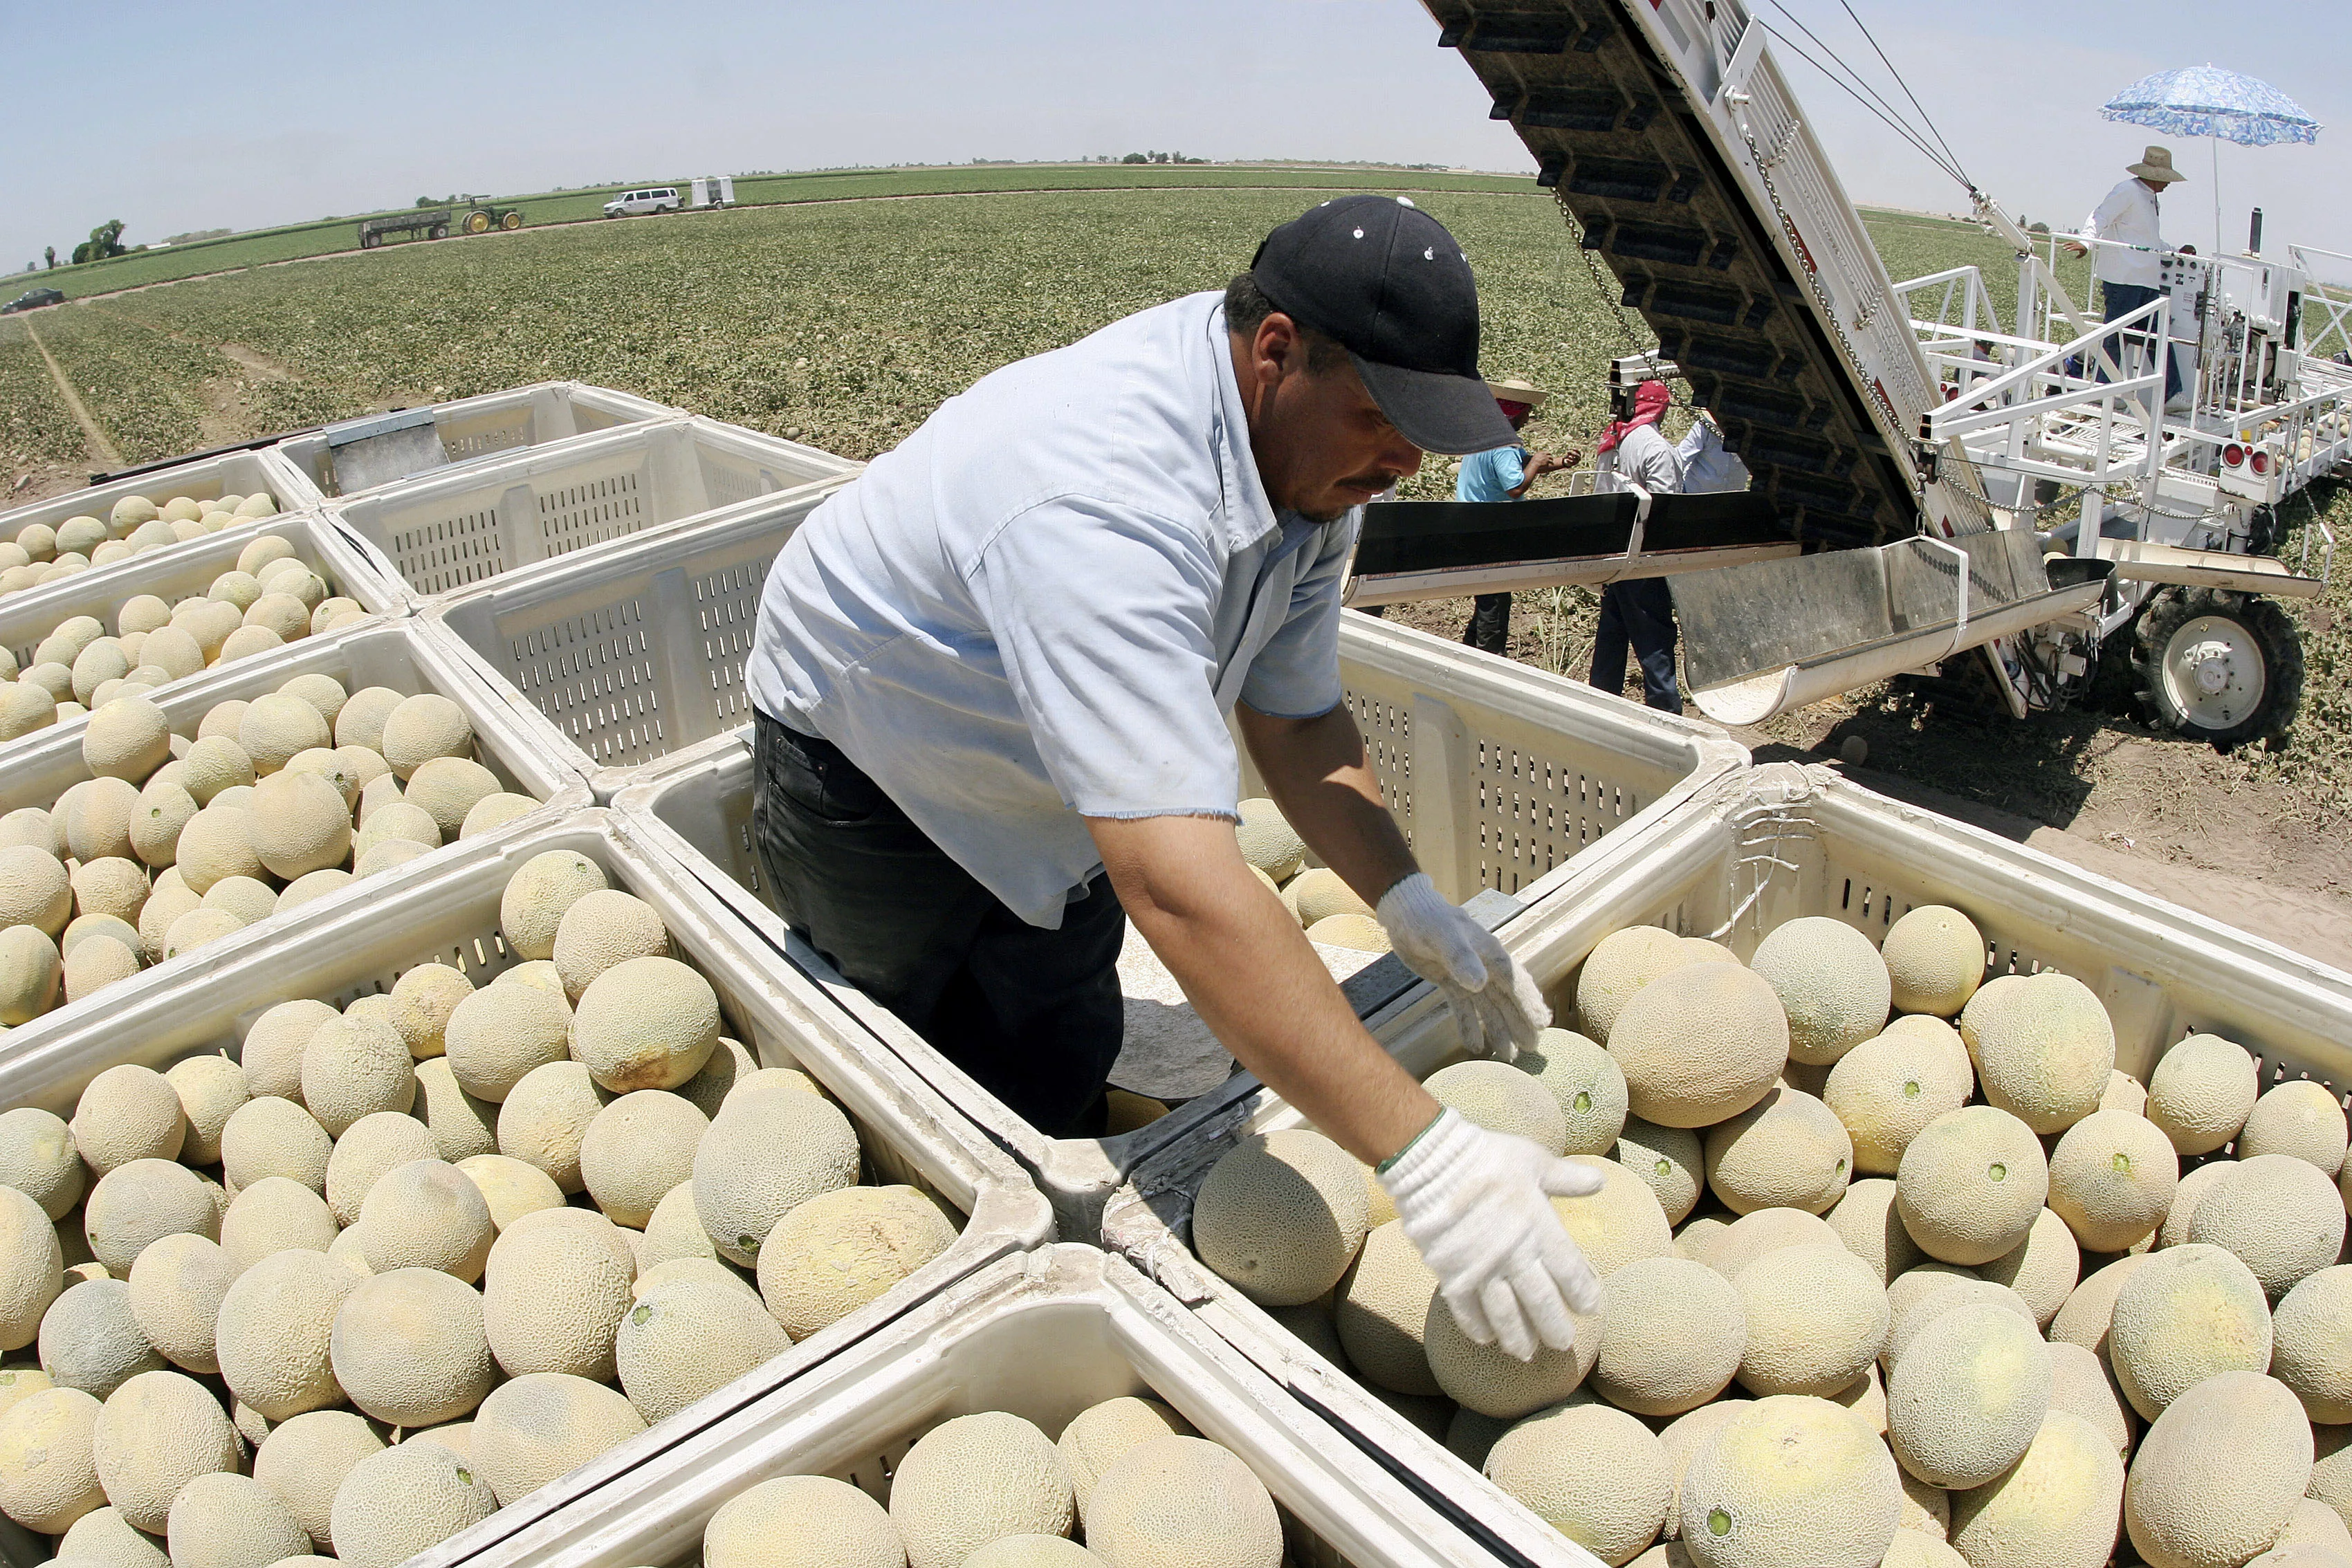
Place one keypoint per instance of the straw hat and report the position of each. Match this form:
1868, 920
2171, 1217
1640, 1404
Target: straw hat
2156, 165
1511, 389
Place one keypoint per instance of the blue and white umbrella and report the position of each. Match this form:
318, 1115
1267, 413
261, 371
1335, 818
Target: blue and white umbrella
2224, 106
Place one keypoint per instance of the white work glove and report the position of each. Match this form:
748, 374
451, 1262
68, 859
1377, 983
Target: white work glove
1499, 1010
1476, 1203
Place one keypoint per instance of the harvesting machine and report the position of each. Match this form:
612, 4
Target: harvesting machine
1932, 487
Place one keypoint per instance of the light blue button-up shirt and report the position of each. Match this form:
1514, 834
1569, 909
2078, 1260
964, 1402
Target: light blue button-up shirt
1492, 476
1042, 605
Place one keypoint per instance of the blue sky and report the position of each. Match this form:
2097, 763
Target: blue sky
177, 117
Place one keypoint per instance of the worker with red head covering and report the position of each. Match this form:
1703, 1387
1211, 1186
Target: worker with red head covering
1635, 452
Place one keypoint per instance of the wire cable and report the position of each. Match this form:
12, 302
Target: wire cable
1884, 116
1927, 118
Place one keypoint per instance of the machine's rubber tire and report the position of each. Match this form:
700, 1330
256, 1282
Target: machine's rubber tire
513, 220
477, 223
438, 231
2252, 651
369, 242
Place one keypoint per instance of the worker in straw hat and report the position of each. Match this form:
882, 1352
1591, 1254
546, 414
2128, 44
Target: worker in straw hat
997, 682
1505, 474
2127, 221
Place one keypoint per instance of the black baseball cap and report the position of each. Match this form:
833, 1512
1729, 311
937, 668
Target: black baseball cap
1387, 281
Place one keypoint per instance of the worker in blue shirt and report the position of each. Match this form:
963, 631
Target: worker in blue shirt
1505, 474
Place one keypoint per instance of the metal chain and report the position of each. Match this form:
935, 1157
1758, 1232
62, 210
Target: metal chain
1612, 298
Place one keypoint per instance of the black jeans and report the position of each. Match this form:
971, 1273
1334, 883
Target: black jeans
1035, 1017
1640, 612
2122, 299
1489, 630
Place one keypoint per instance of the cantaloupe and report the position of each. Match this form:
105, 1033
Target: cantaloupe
210, 1088
274, 1330
301, 824
1586, 1083
2219, 1473
1699, 1044
2058, 1504
543, 1424
47, 1478
269, 1136
977, 1478
135, 1204
163, 809
355, 1066
128, 1113
1490, 1380
275, 727
1674, 1334
1501, 1097
763, 1158
409, 1350
512, 1188
1170, 1502
687, 1338
175, 1289
1786, 1151
2042, 1270
494, 812
1816, 1318
1971, 1183
1868, 1225
422, 728
447, 787
462, 1126
2043, 1046
317, 885
2188, 1313
1031, 1552
2090, 1308
1750, 1237
1934, 960
1280, 1215
2278, 1215
1887, 1089
1267, 841
1912, 1312
102, 1536
645, 1023
368, 1150
2316, 1530
543, 1119
636, 1149
2111, 1178
1832, 983
553, 1296
97, 964
1592, 1473
89, 1339
1617, 1224
2081, 1386
230, 1520
1379, 1310
495, 1037
833, 1253
397, 1503
802, 1522
427, 1214
2300, 1119
1790, 1482
34, 889
1098, 1434
2312, 1343
1681, 1438
157, 1433
38, 1159
270, 1216
126, 739
1619, 965
1967, 1396
2201, 1091
538, 894
1670, 1161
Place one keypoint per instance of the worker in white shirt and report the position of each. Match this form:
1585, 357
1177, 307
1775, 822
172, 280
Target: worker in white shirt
992, 683
1639, 610
2129, 220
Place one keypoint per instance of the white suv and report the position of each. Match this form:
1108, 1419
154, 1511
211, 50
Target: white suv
656, 199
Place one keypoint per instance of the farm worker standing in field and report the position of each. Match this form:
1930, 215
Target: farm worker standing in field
992, 677
2129, 219
1640, 611
1504, 473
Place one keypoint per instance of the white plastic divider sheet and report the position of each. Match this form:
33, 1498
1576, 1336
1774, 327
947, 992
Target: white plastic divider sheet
1042, 1337
1758, 848
494, 423
449, 913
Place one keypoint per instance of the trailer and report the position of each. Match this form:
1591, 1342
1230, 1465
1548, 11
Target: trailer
435, 223
2007, 500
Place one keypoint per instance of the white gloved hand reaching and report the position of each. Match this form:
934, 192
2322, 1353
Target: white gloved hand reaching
1497, 1007
1476, 1205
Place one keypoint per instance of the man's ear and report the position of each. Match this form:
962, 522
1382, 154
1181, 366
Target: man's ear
1276, 348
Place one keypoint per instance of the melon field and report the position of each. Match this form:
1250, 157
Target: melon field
844, 320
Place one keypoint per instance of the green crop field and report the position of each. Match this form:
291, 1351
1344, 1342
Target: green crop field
844, 323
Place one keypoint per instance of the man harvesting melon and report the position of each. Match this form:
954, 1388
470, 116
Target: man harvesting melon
992, 680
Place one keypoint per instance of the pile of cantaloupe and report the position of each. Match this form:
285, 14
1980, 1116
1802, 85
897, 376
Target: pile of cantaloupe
269, 599
393, 1266
179, 840
1897, 1267
1324, 906
134, 526
992, 1490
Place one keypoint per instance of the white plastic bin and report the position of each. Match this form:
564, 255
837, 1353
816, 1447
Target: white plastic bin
632, 653
402, 654
497, 421
201, 479
1500, 775
449, 913
187, 571
1041, 1337
1765, 846
456, 528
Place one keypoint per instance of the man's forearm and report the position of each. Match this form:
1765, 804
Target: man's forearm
1250, 973
1316, 772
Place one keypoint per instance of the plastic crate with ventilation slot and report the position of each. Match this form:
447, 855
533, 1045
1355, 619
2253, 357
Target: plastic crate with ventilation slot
1501, 776
632, 653
450, 915
239, 473
1041, 1337
484, 426
1760, 848
188, 571
400, 653
512, 513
